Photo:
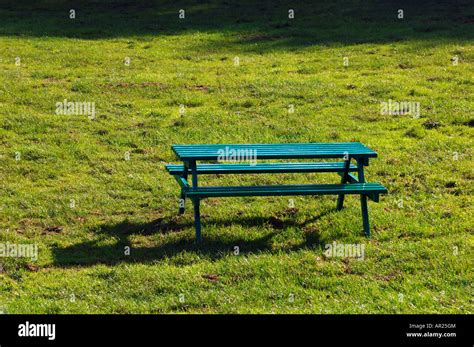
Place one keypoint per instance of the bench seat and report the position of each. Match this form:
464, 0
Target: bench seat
178, 169
372, 189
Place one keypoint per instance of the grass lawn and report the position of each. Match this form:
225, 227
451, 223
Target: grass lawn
84, 190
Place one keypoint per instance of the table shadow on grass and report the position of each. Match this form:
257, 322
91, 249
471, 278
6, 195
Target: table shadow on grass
213, 247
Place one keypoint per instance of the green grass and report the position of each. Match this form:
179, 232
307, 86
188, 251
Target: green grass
419, 259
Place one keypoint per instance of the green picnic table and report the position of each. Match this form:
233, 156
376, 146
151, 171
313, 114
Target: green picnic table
347, 151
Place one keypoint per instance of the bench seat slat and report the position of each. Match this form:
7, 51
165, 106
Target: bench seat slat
178, 169
307, 189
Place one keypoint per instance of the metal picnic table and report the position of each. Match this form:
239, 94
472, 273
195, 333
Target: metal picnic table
347, 151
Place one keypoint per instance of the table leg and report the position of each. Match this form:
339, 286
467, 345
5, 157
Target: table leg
182, 198
363, 198
345, 178
196, 201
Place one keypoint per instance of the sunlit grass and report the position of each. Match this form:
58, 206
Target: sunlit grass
419, 258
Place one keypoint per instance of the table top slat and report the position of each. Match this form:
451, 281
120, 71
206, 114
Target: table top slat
276, 151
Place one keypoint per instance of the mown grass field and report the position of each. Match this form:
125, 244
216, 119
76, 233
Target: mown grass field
66, 183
